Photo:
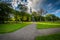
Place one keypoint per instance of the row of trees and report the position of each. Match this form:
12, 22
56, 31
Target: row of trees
8, 14
5, 10
47, 17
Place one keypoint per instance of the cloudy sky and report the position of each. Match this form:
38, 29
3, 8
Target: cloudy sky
51, 6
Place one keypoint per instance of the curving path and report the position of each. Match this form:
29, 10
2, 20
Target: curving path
28, 33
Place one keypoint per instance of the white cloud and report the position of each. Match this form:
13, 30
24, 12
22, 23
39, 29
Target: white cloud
35, 4
50, 6
56, 12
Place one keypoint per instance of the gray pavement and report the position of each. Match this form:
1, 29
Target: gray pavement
28, 33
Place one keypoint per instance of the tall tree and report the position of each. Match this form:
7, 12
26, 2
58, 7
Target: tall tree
51, 17
41, 12
5, 10
23, 10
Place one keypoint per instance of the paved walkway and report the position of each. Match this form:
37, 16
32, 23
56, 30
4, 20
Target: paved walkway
28, 33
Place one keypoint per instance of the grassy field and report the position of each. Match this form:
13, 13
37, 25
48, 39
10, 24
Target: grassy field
7, 28
44, 25
49, 37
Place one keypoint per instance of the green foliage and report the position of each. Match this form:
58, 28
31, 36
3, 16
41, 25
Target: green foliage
23, 8
25, 16
48, 17
51, 17
5, 10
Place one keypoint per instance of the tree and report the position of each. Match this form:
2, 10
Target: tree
41, 12
23, 10
28, 17
22, 7
37, 16
51, 17
34, 16
5, 10
25, 16
17, 16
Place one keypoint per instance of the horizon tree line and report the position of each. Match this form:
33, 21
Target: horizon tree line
9, 15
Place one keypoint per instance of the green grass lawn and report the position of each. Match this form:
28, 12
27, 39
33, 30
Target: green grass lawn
7, 28
44, 25
49, 37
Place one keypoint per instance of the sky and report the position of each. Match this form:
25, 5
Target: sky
51, 6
